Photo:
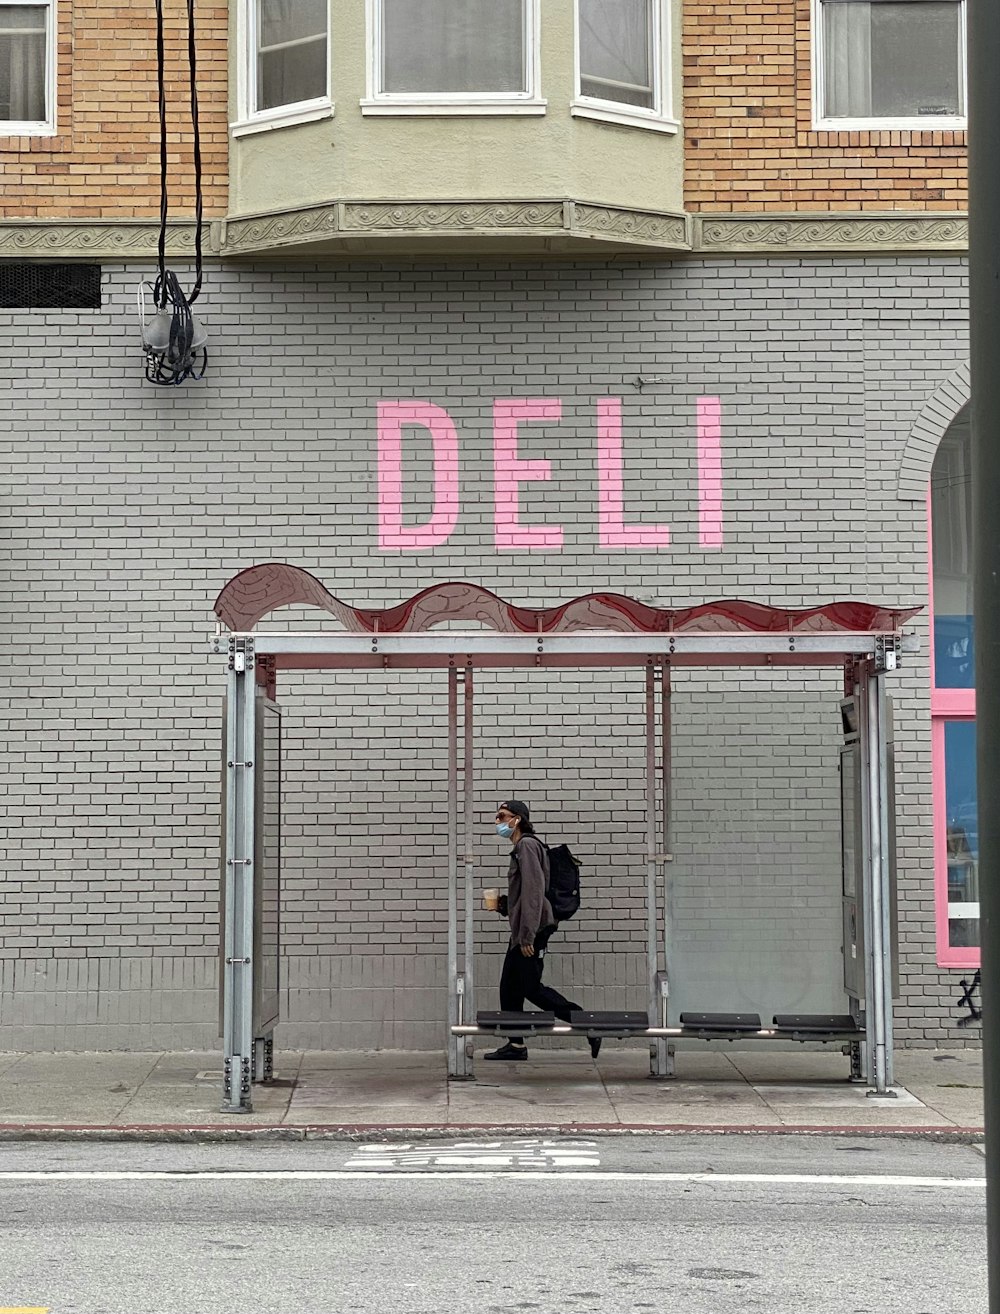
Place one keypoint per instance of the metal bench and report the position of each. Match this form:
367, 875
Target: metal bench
804, 1028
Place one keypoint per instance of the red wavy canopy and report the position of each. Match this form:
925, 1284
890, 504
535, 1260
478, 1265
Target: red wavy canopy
254, 593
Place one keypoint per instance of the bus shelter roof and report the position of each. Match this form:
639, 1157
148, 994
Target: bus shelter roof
459, 623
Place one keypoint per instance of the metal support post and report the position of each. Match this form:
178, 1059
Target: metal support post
984, 296
456, 1049
468, 798
239, 879
658, 1057
666, 840
875, 830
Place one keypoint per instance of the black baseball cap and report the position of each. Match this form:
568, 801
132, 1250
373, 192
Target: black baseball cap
516, 808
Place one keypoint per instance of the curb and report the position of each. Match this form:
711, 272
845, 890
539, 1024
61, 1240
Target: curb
182, 1133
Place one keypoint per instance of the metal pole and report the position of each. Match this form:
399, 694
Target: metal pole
875, 882
882, 874
453, 1040
666, 772
660, 1060
984, 291
651, 918
230, 1093
238, 963
872, 1029
468, 965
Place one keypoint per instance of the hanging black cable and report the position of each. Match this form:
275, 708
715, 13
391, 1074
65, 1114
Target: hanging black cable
173, 340
198, 204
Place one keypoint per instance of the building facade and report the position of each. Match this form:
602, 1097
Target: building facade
466, 316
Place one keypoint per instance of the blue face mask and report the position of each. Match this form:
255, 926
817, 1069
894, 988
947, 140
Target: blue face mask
504, 830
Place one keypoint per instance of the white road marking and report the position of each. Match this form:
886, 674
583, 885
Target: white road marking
522, 1154
357, 1175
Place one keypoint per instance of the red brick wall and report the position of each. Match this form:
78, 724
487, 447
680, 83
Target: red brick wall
104, 162
750, 145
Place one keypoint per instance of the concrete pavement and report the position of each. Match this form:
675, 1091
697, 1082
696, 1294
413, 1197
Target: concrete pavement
320, 1093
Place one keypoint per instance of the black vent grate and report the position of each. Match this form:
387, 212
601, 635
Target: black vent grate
50, 287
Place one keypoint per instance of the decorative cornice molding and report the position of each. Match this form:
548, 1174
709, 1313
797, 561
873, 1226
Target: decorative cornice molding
268, 232
892, 231
641, 226
564, 227
454, 216
97, 239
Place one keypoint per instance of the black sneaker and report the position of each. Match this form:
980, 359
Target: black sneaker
508, 1053
595, 1046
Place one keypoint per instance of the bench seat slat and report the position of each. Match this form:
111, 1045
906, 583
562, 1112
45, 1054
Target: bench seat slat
584, 1020
510, 1021
721, 1021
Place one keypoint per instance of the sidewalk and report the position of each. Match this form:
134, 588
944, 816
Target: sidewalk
160, 1095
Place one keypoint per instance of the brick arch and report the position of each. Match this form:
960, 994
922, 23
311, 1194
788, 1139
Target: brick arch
939, 411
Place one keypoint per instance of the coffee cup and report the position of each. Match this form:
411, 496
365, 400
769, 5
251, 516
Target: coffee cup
490, 899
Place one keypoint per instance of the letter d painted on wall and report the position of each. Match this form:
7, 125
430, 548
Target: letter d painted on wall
392, 535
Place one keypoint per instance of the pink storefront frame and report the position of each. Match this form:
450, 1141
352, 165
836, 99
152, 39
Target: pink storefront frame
946, 705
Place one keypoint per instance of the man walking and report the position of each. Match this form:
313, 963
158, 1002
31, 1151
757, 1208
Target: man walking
531, 925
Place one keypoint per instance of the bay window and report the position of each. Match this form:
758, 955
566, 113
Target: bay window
286, 64
458, 56
622, 56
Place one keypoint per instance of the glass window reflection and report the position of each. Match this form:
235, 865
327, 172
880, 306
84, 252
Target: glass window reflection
962, 833
951, 523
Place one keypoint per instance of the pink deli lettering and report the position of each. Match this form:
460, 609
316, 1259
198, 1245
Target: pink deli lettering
612, 529
392, 416
710, 472
510, 471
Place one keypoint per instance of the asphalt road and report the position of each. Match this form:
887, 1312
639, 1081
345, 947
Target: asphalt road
706, 1225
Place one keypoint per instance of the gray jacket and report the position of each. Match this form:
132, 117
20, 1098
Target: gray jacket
528, 910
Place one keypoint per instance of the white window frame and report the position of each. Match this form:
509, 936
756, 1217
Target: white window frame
660, 118
922, 123
252, 120
529, 101
43, 127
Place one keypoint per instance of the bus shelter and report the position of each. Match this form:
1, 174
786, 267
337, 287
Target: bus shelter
460, 628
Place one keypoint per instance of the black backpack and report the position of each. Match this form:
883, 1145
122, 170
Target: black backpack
563, 889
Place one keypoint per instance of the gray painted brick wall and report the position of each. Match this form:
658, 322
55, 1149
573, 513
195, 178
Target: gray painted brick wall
130, 506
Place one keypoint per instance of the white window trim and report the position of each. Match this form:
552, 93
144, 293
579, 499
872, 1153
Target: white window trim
249, 120
378, 102
924, 123
661, 117
44, 127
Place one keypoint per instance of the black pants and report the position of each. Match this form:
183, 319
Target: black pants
521, 979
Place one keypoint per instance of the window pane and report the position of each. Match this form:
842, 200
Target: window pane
951, 533
22, 63
616, 51
962, 833
900, 59
453, 46
291, 52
